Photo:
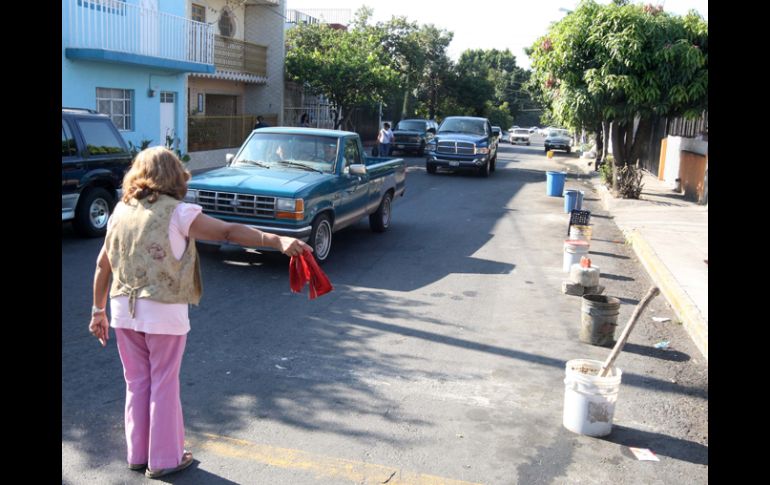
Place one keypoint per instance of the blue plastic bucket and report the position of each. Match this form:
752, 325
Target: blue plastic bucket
555, 183
571, 200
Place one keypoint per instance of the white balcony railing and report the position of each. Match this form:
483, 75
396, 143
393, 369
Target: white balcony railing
117, 26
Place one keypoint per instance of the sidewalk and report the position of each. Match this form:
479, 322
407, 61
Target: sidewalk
670, 237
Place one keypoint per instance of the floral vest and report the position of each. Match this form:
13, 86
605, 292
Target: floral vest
143, 264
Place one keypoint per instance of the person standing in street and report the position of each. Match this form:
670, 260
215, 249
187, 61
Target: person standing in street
385, 138
149, 252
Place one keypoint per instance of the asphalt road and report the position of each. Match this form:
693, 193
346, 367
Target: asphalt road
438, 358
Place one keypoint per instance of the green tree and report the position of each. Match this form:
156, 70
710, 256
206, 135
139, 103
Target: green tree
431, 84
619, 65
349, 67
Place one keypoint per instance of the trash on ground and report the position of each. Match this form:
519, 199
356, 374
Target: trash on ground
279, 367
643, 454
662, 345
661, 319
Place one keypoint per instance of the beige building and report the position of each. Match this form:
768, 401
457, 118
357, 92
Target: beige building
249, 77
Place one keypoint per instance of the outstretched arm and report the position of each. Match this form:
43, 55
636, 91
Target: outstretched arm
211, 229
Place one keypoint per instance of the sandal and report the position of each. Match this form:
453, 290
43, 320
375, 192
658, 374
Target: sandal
187, 460
138, 466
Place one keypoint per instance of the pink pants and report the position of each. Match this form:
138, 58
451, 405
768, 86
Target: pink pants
154, 424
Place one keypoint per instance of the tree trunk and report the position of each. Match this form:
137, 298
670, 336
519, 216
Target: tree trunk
337, 120
599, 146
617, 132
639, 148
406, 98
605, 140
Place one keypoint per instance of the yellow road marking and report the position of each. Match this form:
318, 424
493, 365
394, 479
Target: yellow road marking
322, 466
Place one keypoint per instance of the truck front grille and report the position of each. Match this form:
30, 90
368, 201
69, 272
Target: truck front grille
456, 148
237, 204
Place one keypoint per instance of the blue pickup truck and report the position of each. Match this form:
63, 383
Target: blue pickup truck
302, 182
463, 143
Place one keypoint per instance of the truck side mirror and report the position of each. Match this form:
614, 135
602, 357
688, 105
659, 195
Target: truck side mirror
358, 169
229, 158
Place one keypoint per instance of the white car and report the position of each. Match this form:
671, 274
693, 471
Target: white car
519, 135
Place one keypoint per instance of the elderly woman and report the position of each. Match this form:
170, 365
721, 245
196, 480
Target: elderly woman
149, 251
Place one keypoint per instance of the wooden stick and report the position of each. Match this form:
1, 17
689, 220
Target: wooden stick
627, 331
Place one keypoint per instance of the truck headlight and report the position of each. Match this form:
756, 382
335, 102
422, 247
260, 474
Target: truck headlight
191, 196
431, 146
482, 150
289, 209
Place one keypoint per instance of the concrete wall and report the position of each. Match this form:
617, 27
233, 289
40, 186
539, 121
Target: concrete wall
264, 26
671, 169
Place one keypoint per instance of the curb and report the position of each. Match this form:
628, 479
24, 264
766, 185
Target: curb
684, 307
682, 304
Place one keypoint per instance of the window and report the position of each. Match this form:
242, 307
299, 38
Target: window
198, 13
118, 104
351, 154
100, 138
166, 97
226, 24
68, 146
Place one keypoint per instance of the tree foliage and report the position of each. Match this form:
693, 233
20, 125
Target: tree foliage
349, 67
619, 63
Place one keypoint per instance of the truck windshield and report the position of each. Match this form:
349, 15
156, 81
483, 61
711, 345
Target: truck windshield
411, 125
474, 127
271, 149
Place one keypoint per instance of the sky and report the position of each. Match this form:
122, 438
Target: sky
485, 24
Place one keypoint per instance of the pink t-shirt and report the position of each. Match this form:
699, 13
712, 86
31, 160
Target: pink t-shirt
153, 316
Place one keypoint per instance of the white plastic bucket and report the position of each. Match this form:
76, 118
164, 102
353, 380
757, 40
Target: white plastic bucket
573, 251
582, 233
589, 400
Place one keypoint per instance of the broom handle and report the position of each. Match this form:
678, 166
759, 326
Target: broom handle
627, 331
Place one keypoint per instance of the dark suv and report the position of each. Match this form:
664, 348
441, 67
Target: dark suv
94, 159
463, 143
413, 135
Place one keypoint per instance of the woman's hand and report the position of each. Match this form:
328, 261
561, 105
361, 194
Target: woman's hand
99, 327
292, 247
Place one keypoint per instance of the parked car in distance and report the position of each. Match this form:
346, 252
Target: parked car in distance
519, 135
412, 135
558, 139
463, 143
307, 183
94, 159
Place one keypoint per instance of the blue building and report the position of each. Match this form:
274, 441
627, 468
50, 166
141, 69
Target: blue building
130, 60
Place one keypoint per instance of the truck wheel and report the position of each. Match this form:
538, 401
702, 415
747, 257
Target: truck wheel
430, 168
569, 149
380, 220
547, 148
321, 238
494, 164
92, 212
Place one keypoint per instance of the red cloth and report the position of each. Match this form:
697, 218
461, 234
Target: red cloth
304, 269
